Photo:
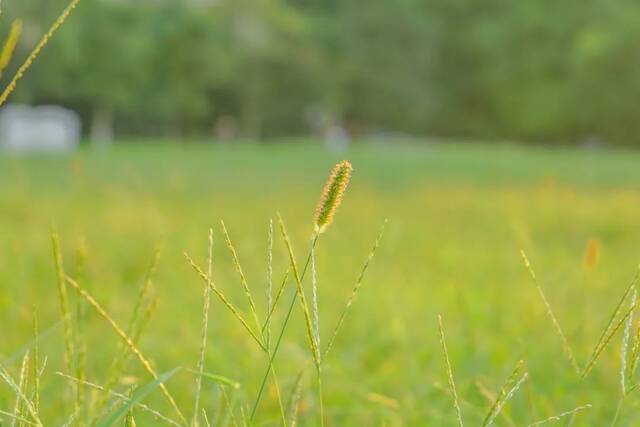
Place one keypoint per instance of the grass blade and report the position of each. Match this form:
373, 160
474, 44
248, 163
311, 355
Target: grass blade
120, 397
139, 394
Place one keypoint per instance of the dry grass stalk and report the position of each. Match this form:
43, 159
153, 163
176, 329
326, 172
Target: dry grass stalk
566, 348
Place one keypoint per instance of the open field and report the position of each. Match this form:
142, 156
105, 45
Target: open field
458, 217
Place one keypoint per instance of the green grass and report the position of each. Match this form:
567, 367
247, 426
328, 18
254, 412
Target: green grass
458, 217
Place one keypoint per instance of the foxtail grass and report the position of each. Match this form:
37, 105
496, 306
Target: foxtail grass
330, 200
566, 348
332, 195
129, 342
10, 44
57, 24
447, 362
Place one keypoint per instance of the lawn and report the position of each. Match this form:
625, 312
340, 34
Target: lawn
458, 216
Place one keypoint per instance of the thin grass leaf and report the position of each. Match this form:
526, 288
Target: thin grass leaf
243, 279
225, 301
215, 378
130, 344
205, 417
452, 384
121, 397
205, 322
356, 288
559, 417
139, 394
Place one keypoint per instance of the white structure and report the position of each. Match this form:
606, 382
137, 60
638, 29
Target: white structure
45, 128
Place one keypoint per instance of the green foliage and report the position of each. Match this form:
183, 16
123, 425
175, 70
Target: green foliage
539, 71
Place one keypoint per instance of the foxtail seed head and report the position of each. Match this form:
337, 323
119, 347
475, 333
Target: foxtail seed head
332, 195
10, 44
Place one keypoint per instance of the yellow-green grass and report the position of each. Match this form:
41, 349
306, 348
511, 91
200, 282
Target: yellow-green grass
458, 217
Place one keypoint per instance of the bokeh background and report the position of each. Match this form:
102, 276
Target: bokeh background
536, 71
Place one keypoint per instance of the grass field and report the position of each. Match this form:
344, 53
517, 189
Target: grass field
458, 217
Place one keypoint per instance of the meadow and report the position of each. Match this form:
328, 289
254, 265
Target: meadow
458, 217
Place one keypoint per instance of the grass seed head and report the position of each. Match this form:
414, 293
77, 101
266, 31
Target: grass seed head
332, 195
10, 44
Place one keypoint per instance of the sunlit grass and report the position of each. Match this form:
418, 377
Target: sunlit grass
458, 218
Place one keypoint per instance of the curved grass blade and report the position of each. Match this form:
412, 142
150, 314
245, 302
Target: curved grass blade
139, 394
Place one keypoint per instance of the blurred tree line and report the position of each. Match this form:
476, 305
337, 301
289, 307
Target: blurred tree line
539, 70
